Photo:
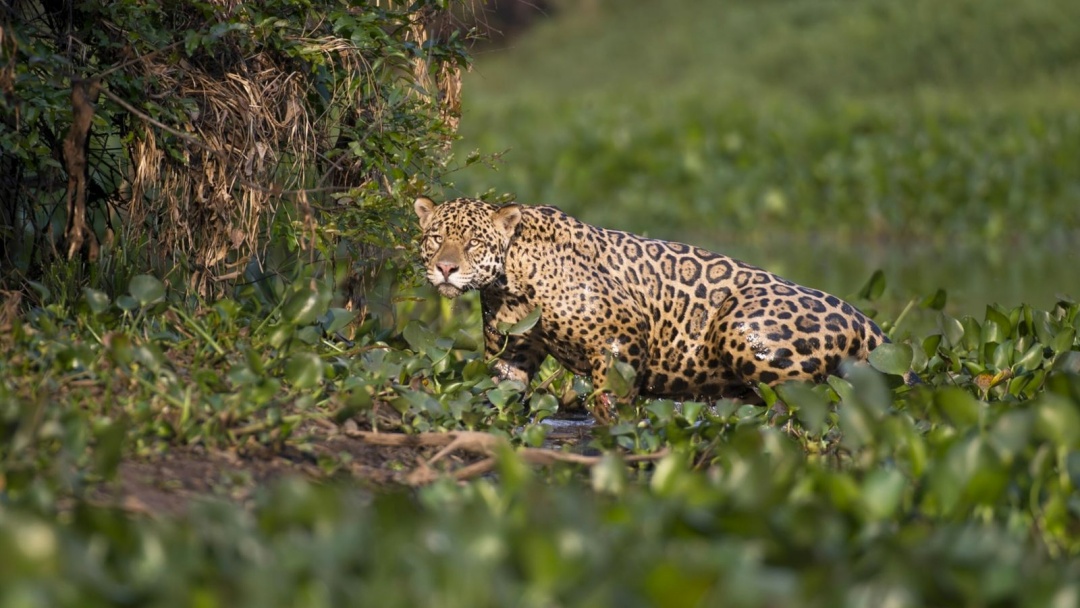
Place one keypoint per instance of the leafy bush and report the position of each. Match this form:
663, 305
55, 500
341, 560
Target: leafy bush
841, 495
221, 128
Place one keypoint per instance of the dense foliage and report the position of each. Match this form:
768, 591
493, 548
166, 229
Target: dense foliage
859, 172
842, 494
202, 131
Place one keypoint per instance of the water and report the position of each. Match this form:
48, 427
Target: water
568, 429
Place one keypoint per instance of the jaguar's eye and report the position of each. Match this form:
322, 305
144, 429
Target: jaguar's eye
434, 239
475, 244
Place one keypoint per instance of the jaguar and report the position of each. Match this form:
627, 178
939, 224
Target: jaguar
691, 323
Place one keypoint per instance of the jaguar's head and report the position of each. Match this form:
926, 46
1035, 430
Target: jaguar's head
464, 242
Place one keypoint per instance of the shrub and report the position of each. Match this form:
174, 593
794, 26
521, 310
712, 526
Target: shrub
204, 132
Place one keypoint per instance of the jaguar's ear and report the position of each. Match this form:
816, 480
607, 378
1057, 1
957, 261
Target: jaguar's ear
507, 218
423, 207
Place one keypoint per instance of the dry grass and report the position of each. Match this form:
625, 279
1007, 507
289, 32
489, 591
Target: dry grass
260, 146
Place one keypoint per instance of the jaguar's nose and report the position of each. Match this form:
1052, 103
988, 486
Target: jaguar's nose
446, 268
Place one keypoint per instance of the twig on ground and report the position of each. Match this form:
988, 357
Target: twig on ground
477, 442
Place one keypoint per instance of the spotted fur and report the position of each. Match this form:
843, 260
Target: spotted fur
692, 323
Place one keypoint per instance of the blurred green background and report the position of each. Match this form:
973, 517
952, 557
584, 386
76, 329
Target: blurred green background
822, 139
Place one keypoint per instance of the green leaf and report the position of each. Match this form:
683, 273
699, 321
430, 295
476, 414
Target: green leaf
146, 289
1001, 355
874, 287
998, 318
98, 301
842, 490
919, 359
514, 473
620, 378
972, 332
1032, 359
43, 292
522, 326
979, 465
609, 475
671, 469
307, 302
1068, 362
958, 406
692, 409
420, 338
1044, 326
337, 318
304, 370
768, 395
419, 401
811, 407
882, 491
120, 349
945, 483
935, 301
357, 399
503, 395
192, 41
952, 329
1011, 433
870, 389
475, 371
309, 334
892, 358
843, 388
542, 405
855, 425
109, 440
1063, 341
464, 340
150, 355
280, 333
1058, 419
534, 434
663, 409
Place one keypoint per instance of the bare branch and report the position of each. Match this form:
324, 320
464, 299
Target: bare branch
477, 442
